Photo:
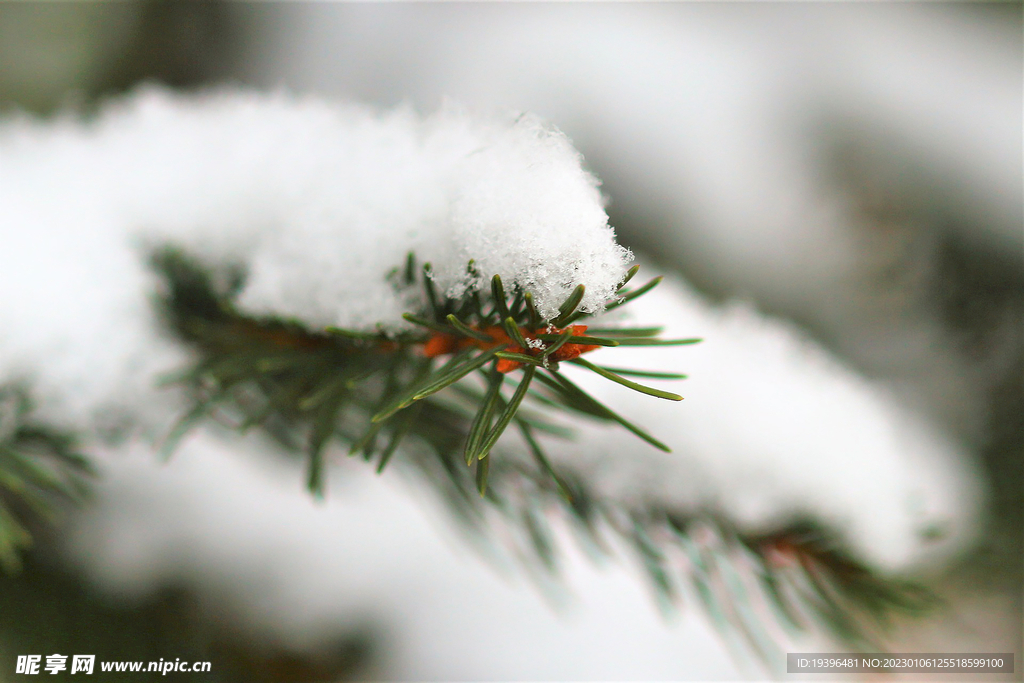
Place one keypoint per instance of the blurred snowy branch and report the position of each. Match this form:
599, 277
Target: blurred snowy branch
855, 169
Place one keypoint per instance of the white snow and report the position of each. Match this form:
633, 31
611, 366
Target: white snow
320, 201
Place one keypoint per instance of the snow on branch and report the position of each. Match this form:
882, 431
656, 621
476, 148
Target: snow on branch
322, 200
320, 203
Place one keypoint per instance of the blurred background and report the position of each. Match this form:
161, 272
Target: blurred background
854, 168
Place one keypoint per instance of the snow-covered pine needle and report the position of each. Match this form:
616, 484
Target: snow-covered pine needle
354, 386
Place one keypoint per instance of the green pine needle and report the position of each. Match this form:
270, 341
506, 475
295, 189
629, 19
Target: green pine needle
428, 287
498, 292
483, 467
482, 422
506, 416
533, 321
409, 396
652, 374
457, 373
520, 358
626, 297
650, 391
468, 331
514, 333
625, 331
598, 409
568, 307
633, 270
556, 344
542, 460
429, 324
41, 472
657, 342
584, 339
405, 425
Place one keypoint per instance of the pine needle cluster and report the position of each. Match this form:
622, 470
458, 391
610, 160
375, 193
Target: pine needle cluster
372, 390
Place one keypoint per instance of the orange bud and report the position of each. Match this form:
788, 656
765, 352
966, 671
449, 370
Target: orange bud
439, 344
570, 351
506, 365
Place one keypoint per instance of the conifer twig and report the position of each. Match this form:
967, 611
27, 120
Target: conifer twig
377, 391
314, 380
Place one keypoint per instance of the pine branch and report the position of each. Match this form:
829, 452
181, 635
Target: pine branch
271, 371
440, 388
757, 591
40, 470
